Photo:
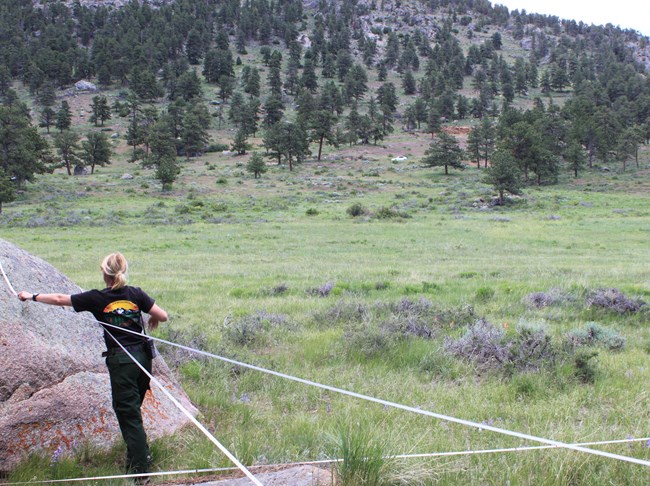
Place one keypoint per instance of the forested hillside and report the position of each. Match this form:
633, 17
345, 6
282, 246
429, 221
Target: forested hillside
540, 91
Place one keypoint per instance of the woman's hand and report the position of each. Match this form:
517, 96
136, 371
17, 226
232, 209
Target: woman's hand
156, 316
23, 296
152, 323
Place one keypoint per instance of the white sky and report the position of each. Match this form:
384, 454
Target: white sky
627, 14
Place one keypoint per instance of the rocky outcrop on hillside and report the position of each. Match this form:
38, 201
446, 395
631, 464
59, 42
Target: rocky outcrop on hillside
54, 387
111, 3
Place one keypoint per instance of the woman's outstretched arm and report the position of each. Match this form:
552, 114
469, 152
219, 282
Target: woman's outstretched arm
52, 299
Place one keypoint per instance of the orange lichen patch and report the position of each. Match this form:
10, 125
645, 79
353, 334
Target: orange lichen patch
457, 130
152, 407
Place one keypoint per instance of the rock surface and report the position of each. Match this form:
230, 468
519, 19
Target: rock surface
85, 86
54, 386
295, 476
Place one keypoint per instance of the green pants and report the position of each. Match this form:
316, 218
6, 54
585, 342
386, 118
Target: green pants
129, 384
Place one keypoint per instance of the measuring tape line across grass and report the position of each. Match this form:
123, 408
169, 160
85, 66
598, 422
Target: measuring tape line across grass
387, 403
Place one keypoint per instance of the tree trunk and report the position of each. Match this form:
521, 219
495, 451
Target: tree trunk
67, 166
446, 170
320, 146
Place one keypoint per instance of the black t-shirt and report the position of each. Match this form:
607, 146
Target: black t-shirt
120, 307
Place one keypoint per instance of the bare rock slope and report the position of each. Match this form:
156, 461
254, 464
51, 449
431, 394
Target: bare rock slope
54, 386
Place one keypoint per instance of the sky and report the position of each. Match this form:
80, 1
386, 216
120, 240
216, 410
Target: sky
627, 14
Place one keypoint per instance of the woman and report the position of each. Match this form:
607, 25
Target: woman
120, 305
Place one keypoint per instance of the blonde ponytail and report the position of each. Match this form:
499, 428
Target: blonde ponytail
115, 267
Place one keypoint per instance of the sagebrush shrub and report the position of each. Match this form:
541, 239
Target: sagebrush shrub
539, 300
482, 343
530, 348
174, 356
252, 328
593, 334
322, 291
614, 300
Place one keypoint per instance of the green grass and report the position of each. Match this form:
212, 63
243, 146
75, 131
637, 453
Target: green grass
214, 255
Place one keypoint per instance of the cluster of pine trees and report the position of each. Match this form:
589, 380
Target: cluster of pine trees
312, 81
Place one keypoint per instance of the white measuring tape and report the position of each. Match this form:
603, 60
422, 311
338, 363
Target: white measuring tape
325, 461
407, 408
419, 411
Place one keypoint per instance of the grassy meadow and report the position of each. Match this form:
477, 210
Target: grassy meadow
276, 272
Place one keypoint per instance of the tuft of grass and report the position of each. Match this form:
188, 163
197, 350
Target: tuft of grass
484, 294
361, 454
585, 367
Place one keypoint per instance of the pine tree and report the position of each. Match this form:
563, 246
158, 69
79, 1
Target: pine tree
575, 157
252, 86
47, 118
23, 151
504, 174
96, 150
100, 110
67, 145
321, 128
64, 117
256, 165
240, 144
444, 152
408, 83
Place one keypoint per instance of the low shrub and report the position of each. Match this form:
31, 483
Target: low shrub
614, 300
343, 311
252, 328
176, 357
482, 343
455, 316
322, 291
368, 339
593, 334
529, 349
539, 300
279, 289
217, 147
357, 209
389, 213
